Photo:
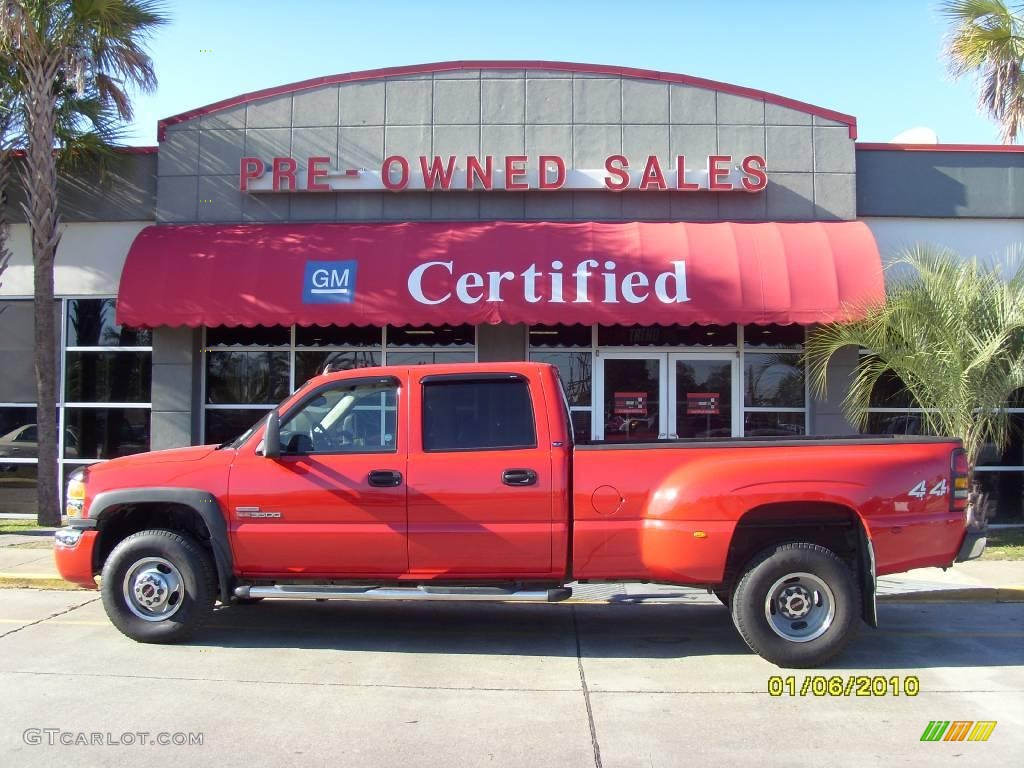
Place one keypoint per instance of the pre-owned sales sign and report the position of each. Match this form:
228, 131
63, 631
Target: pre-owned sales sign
510, 173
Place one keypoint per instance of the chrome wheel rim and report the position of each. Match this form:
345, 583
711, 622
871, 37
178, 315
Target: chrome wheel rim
800, 607
153, 589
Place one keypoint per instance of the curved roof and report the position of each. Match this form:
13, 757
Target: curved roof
556, 66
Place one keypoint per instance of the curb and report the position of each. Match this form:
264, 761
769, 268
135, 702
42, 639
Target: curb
965, 595
34, 581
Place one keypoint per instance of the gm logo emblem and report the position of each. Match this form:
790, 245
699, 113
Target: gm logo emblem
329, 282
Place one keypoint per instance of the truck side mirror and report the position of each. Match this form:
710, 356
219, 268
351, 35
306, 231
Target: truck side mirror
272, 436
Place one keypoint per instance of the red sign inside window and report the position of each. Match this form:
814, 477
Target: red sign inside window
631, 403
702, 403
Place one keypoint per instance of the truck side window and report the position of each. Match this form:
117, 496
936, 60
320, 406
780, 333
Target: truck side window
477, 415
347, 419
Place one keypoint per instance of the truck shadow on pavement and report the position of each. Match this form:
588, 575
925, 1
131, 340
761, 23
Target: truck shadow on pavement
912, 636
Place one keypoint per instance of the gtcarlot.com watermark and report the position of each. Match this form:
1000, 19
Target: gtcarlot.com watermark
58, 737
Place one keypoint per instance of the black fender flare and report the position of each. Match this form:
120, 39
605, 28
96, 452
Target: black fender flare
868, 579
203, 503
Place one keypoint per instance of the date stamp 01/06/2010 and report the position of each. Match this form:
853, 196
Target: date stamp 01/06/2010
844, 685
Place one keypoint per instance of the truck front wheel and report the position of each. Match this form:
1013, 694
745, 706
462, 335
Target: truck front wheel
796, 605
158, 586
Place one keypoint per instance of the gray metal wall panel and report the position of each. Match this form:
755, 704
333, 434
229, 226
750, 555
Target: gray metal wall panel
579, 116
937, 184
126, 191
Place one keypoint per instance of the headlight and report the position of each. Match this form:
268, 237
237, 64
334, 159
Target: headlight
76, 494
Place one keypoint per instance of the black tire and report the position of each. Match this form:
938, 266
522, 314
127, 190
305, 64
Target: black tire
764, 573
192, 599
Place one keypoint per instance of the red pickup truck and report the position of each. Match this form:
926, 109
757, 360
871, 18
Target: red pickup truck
461, 482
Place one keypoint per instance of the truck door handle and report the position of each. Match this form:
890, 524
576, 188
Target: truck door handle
384, 478
519, 477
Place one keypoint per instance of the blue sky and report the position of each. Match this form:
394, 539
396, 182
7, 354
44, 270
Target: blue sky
877, 60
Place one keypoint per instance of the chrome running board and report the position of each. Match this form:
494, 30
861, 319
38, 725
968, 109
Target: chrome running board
329, 592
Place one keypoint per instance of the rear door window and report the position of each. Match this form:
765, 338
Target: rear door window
467, 415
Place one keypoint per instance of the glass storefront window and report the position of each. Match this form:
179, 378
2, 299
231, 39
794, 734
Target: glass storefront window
582, 421
776, 336
561, 336
105, 433
261, 366
773, 380
426, 357
666, 335
108, 377
104, 389
1013, 456
18, 488
18, 433
310, 364
17, 350
338, 336
93, 323
223, 424
765, 423
1005, 493
248, 377
257, 336
574, 369
896, 423
431, 336
632, 399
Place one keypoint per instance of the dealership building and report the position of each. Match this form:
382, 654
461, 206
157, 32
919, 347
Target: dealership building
666, 241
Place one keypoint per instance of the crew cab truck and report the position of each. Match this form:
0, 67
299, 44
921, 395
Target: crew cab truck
461, 482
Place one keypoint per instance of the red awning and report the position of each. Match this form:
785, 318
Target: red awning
427, 273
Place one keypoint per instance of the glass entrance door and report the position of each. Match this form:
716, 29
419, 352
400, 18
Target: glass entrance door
647, 396
703, 402
632, 390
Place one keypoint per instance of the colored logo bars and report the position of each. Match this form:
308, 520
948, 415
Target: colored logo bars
958, 730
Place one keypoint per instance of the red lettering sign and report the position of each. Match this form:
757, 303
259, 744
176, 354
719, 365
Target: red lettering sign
515, 168
716, 172
385, 173
755, 173
437, 173
653, 175
314, 173
515, 173
485, 174
284, 170
544, 161
250, 168
617, 166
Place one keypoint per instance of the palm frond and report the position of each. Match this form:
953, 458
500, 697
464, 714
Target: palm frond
987, 40
951, 332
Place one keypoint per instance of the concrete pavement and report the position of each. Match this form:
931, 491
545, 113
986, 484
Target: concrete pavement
347, 684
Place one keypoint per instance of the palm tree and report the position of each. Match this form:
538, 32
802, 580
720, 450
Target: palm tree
54, 46
87, 131
953, 334
9, 120
987, 39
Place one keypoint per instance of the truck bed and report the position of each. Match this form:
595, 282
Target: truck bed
759, 441
668, 510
